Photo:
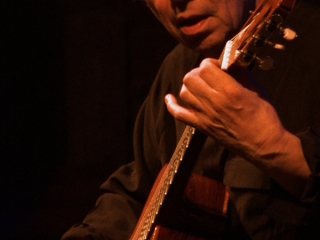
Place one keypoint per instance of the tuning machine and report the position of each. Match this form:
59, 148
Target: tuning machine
261, 41
275, 24
288, 34
265, 63
250, 59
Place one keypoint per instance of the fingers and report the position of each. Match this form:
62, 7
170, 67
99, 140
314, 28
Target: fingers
178, 112
194, 89
209, 71
206, 90
210, 61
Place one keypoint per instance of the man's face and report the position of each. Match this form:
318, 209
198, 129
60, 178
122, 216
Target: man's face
203, 25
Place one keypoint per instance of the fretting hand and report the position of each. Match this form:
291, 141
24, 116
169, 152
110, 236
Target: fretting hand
237, 114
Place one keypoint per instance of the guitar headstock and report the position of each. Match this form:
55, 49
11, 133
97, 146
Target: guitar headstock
264, 21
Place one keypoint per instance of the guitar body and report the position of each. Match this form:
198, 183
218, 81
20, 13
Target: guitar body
161, 233
198, 200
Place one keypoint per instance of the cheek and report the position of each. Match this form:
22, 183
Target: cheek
158, 8
241, 12
163, 12
235, 13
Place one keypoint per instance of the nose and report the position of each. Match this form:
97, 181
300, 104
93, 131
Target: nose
179, 5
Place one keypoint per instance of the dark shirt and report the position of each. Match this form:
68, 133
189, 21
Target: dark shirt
258, 207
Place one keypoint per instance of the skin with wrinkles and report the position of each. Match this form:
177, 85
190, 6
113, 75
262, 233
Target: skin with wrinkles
217, 21
229, 107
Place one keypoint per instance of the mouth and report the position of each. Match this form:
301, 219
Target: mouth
189, 21
191, 25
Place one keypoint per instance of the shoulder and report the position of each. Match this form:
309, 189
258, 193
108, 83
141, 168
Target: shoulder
180, 58
168, 80
177, 63
182, 55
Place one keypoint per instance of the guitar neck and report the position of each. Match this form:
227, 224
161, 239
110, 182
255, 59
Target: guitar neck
170, 183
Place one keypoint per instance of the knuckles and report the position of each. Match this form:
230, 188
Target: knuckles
184, 93
232, 91
209, 62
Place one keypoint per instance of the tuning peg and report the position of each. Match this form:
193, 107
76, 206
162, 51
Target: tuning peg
259, 42
279, 46
265, 63
289, 34
276, 45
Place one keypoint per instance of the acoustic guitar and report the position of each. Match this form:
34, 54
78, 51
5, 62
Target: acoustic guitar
187, 206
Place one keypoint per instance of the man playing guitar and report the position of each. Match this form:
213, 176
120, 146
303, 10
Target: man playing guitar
266, 151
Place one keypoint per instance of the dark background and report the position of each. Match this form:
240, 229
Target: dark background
73, 75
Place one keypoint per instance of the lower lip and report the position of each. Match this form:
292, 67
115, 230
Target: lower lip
193, 29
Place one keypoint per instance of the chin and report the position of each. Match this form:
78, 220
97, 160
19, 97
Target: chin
210, 50
206, 46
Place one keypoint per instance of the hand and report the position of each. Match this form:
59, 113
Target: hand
235, 112
238, 115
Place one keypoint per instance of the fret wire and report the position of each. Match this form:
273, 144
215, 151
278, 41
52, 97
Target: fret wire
169, 174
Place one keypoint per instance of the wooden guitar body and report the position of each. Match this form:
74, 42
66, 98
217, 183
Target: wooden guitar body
199, 214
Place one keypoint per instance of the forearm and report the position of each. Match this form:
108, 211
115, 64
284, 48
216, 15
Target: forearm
283, 160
